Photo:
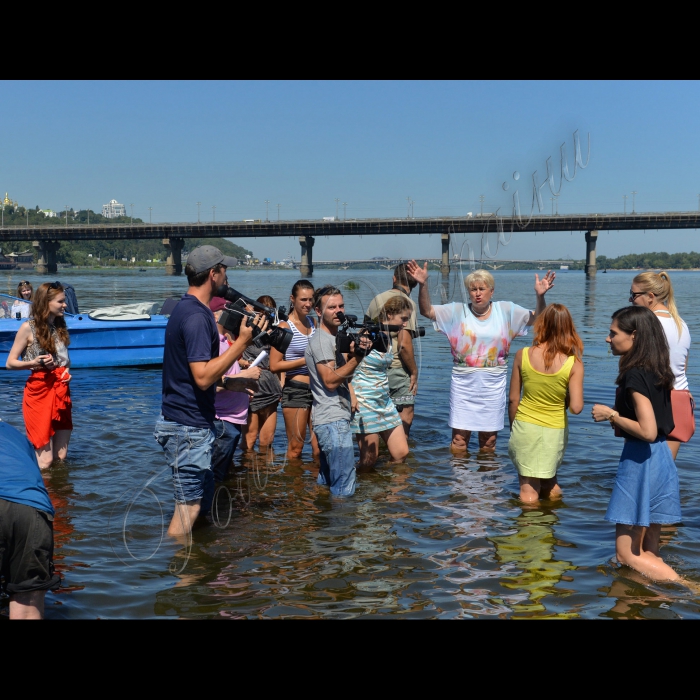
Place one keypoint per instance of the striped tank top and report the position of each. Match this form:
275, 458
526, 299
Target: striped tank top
297, 348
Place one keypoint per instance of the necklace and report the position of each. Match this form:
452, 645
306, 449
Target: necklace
471, 308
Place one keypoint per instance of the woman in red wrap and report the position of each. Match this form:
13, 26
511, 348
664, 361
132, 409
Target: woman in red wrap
41, 346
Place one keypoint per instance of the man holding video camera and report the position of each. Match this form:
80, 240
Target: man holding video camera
192, 369
403, 374
330, 372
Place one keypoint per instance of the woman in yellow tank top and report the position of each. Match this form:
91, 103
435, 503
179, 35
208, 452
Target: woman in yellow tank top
550, 377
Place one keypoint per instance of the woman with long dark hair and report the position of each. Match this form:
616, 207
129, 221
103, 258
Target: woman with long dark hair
41, 345
550, 376
296, 393
646, 493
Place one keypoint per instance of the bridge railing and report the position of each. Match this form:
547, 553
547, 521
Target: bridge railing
630, 217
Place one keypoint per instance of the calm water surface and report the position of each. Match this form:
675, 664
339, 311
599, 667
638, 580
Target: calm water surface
438, 537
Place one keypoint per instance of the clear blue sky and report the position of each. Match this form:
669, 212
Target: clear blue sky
168, 145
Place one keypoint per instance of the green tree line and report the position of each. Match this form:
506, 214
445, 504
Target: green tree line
633, 261
107, 252
673, 261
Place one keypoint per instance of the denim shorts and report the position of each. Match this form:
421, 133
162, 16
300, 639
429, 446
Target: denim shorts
337, 457
646, 485
188, 453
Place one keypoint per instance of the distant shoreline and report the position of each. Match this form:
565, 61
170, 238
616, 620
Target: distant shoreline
272, 268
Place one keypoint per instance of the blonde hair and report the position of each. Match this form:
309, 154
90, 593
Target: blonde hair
659, 284
479, 276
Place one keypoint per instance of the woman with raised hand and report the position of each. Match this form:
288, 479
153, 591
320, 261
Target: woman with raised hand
41, 345
646, 494
480, 333
375, 413
655, 291
23, 308
296, 393
550, 377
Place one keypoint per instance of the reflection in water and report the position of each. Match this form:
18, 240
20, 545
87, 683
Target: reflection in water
589, 303
62, 496
636, 598
531, 550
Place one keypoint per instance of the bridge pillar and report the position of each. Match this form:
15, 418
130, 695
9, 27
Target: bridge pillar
591, 240
445, 264
173, 264
46, 262
307, 255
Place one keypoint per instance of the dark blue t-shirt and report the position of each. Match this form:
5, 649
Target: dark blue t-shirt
20, 476
190, 336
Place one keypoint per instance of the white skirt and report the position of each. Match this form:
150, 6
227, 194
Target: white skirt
478, 400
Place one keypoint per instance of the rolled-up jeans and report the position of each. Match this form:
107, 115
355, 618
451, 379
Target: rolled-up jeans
188, 453
337, 457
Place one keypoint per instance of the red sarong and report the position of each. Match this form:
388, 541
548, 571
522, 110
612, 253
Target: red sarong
46, 406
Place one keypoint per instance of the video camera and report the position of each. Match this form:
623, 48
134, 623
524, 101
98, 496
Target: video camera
350, 331
235, 311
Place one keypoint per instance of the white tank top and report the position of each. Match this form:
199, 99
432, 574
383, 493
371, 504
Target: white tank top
679, 348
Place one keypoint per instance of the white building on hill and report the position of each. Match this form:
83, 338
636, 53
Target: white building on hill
113, 209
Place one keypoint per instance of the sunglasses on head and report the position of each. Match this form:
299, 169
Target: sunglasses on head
25, 283
55, 285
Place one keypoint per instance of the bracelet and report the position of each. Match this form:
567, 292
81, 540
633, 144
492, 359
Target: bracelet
612, 417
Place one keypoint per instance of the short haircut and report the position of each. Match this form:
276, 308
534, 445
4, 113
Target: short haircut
195, 279
327, 291
479, 276
404, 277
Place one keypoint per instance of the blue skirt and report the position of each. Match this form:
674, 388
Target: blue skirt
646, 485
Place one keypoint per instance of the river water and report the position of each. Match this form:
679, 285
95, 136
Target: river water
438, 537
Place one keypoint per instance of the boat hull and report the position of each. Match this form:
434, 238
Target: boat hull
103, 343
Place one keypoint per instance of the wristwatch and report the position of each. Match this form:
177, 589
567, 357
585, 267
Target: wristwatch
224, 379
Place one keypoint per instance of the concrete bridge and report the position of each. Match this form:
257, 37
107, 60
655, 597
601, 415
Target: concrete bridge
389, 263
47, 239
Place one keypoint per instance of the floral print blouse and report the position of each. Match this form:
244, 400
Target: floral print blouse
481, 344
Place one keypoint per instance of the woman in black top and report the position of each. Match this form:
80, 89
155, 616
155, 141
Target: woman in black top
646, 493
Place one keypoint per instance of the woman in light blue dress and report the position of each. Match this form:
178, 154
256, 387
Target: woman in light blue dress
374, 412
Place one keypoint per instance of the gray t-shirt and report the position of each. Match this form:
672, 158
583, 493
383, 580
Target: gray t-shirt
329, 406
